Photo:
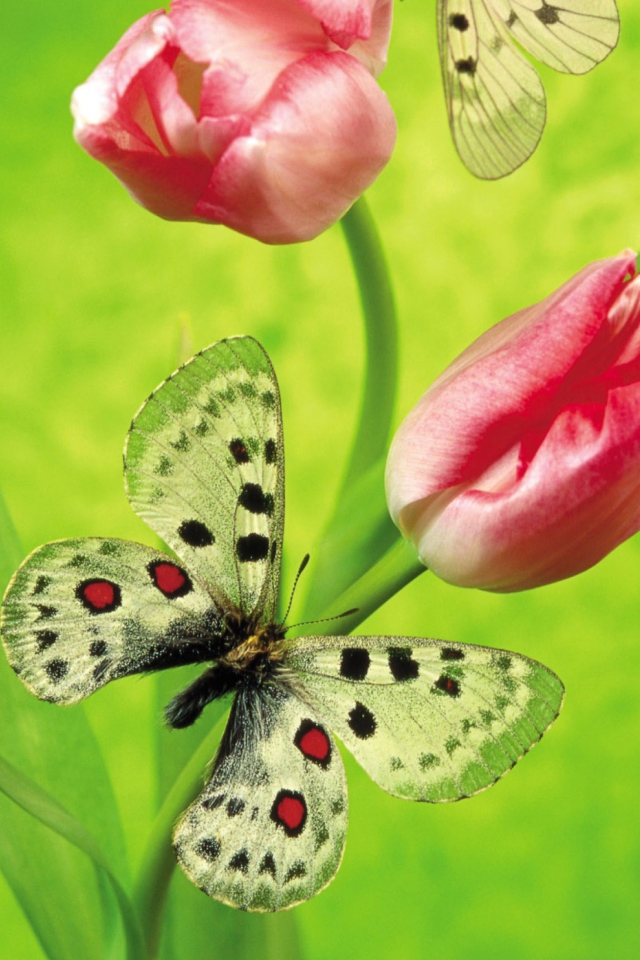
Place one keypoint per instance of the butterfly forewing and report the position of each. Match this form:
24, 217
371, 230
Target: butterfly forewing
79, 613
427, 720
572, 36
495, 99
268, 830
204, 468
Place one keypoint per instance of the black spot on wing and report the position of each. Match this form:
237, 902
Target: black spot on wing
362, 721
238, 450
255, 500
466, 66
451, 653
235, 806
252, 547
547, 14
195, 533
208, 848
448, 685
459, 22
98, 648
45, 639
41, 585
240, 861
270, 451
45, 612
57, 670
268, 865
212, 803
295, 871
354, 663
401, 664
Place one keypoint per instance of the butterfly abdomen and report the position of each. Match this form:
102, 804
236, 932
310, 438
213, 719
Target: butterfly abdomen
248, 663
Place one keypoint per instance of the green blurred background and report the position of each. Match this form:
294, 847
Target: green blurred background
93, 293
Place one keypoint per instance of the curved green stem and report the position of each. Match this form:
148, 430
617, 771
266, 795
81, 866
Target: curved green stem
159, 859
398, 567
381, 340
341, 559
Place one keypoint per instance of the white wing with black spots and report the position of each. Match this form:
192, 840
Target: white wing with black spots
572, 36
495, 99
268, 830
427, 720
204, 467
79, 613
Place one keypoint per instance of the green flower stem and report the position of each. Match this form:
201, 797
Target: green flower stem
159, 859
379, 312
340, 559
398, 567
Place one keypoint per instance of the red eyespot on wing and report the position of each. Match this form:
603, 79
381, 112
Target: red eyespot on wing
313, 743
99, 596
170, 579
289, 811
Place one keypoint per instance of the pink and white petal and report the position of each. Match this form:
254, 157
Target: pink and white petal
167, 186
363, 27
345, 21
252, 40
216, 134
578, 500
322, 136
173, 119
96, 101
502, 385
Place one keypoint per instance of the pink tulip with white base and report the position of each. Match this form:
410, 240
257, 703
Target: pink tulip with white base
248, 113
521, 464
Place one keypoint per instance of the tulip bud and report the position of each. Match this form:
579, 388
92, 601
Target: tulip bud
521, 464
247, 114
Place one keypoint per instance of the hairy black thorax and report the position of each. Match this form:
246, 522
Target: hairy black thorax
243, 654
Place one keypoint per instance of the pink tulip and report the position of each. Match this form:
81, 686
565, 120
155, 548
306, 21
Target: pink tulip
521, 464
248, 113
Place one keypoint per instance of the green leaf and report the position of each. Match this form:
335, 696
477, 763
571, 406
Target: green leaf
55, 747
26, 794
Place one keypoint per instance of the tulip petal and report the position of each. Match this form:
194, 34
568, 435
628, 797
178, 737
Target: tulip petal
251, 42
500, 386
321, 137
362, 27
579, 499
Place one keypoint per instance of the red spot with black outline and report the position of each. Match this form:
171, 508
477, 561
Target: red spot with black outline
99, 596
170, 579
289, 811
313, 743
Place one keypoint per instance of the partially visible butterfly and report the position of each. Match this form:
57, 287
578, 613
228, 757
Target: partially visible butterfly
495, 98
204, 466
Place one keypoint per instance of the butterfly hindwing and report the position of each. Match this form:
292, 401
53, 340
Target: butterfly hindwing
268, 830
495, 99
204, 468
427, 720
79, 613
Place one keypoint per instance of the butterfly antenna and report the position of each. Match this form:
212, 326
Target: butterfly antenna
305, 561
337, 616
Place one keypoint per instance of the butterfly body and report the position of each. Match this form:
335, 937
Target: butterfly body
495, 98
428, 720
